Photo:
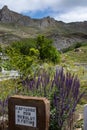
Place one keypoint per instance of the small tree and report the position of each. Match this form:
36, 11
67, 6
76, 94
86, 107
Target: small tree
47, 50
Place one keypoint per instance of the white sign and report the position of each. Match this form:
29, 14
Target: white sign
25, 115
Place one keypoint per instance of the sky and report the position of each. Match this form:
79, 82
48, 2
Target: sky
61, 10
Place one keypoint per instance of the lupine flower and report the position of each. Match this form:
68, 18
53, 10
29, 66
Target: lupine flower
69, 96
62, 90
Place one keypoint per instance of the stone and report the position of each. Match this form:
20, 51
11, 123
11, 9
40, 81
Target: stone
85, 117
30, 113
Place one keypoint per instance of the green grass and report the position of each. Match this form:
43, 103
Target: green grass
77, 56
76, 62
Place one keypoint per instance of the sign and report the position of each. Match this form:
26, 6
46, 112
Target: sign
28, 113
25, 115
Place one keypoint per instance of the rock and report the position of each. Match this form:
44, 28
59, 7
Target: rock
77, 50
3, 123
47, 21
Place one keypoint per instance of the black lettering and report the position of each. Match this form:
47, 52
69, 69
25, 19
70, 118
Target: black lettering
18, 120
33, 123
26, 113
19, 116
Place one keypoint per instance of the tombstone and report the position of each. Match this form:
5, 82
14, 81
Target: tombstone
85, 117
28, 113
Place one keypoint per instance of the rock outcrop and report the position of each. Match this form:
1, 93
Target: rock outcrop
8, 16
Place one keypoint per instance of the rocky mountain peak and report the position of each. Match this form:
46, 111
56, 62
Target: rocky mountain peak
8, 16
47, 21
5, 8
4, 11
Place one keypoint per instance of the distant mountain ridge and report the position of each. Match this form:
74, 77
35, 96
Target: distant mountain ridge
14, 25
8, 16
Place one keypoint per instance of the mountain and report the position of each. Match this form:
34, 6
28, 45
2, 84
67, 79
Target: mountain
8, 16
15, 26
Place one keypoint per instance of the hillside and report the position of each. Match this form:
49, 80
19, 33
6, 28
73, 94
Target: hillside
14, 26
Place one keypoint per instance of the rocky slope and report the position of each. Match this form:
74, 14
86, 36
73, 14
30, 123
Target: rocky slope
14, 26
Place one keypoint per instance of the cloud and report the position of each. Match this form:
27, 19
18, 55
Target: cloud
78, 14
70, 4
28, 5
64, 10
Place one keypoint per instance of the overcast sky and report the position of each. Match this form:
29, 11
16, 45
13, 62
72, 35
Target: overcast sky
61, 10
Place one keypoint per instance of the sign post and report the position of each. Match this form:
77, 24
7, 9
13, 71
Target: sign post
85, 117
28, 113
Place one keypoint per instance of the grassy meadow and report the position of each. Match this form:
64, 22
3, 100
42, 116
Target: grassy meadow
73, 61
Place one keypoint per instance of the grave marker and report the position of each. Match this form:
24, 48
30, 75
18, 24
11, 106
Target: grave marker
28, 113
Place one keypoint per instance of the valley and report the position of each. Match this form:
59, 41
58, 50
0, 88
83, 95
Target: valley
29, 57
